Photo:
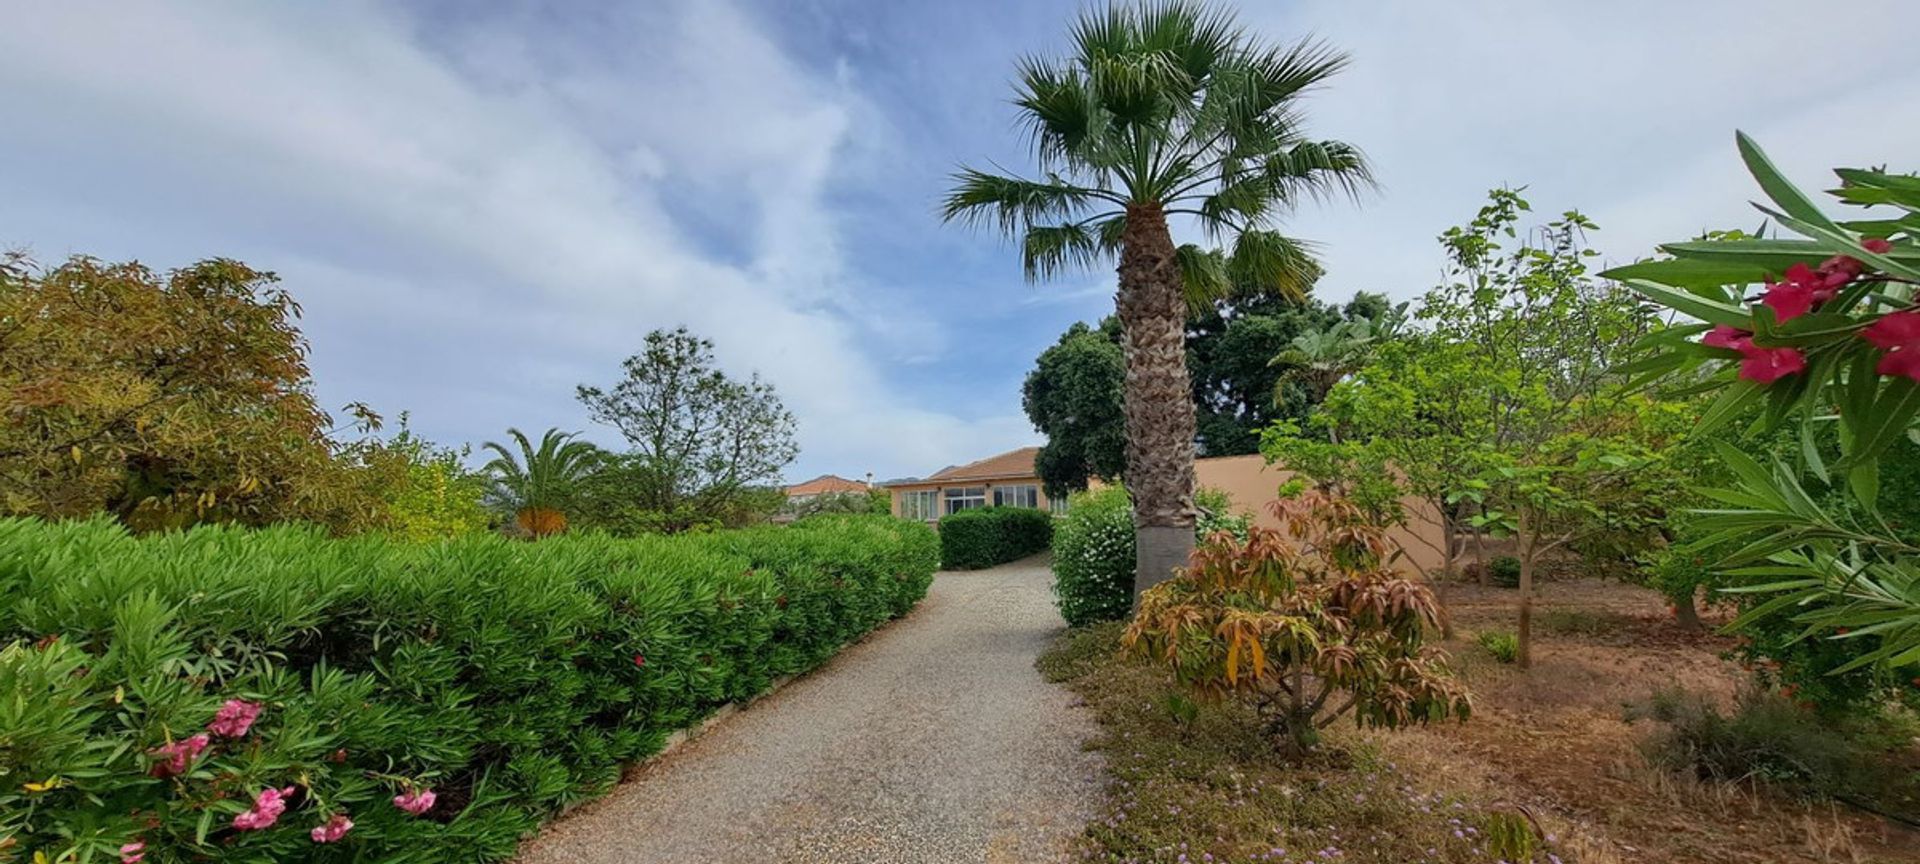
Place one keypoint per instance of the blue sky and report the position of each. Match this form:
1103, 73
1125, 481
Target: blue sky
482, 205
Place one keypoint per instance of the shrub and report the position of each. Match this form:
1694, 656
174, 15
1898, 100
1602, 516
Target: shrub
1505, 571
508, 679
1304, 635
1502, 644
986, 536
1093, 553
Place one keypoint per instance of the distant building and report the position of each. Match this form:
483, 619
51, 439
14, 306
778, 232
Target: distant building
826, 484
1006, 480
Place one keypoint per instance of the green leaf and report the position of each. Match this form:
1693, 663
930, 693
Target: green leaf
1776, 185
1734, 399
1691, 272
1710, 311
1864, 480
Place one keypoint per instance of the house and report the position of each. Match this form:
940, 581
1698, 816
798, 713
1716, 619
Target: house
1010, 480
826, 484
1006, 480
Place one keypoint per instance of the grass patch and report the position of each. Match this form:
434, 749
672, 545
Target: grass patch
1502, 644
1581, 622
1198, 782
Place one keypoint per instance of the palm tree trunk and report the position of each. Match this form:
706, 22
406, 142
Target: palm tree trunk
1159, 397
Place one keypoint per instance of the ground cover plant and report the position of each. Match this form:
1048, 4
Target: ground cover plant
983, 537
229, 694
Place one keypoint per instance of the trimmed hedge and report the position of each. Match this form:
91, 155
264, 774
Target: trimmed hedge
1093, 551
511, 678
986, 536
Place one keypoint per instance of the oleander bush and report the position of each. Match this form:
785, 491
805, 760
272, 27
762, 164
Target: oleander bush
1093, 552
227, 694
987, 536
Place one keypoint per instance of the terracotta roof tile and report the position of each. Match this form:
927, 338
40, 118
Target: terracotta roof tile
1014, 463
824, 484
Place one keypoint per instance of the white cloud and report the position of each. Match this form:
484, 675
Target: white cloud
476, 224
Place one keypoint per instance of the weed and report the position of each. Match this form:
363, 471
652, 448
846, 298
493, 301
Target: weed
1504, 645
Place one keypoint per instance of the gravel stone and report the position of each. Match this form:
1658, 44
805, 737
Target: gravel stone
934, 740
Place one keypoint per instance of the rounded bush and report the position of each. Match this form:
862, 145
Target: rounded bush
1505, 571
988, 536
1093, 551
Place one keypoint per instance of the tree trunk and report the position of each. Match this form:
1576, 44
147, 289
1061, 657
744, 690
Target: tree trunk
1446, 570
1524, 657
1480, 555
1159, 397
1688, 614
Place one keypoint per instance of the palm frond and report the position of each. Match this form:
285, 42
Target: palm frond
1010, 204
1049, 250
1204, 276
1268, 262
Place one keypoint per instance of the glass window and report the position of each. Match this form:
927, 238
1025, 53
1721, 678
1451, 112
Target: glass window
1057, 505
1016, 496
966, 498
918, 504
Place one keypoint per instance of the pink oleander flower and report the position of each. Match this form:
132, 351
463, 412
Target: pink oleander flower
178, 756
415, 801
336, 828
267, 807
1790, 299
234, 718
640, 660
132, 853
1897, 333
1723, 336
1877, 245
1767, 365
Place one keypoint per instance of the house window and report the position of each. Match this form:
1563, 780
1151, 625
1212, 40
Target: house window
918, 504
1016, 496
1058, 505
966, 498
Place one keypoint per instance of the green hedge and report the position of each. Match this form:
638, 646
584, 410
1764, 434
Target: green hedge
513, 679
1093, 551
986, 536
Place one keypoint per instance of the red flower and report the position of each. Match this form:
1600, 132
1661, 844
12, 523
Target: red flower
177, 757
1767, 365
234, 718
1898, 333
1723, 336
639, 660
1876, 245
1790, 299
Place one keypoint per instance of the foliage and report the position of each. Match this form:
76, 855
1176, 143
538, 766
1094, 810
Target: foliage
1504, 571
1093, 550
1767, 737
428, 492
511, 679
536, 485
1831, 347
1502, 644
982, 537
705, 442
1319, 359
876, 501
1073, 397
1290, 628
190, 402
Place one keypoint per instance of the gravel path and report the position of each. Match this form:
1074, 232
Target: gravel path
932, 741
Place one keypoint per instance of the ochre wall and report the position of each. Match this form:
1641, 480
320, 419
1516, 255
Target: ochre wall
1252, 484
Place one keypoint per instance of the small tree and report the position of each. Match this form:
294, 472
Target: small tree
1308, 634
534, 484
707, 440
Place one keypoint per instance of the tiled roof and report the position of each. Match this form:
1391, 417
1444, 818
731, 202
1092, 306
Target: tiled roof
1014, 463
824, 484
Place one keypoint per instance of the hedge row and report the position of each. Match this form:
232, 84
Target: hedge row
986, 536
483, 682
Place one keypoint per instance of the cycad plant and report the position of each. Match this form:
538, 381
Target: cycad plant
1165, 110
534, 484
1319, 359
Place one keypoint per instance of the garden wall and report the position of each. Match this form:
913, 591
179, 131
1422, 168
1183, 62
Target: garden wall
250, 695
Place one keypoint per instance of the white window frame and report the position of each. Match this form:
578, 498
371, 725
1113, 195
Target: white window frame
1057, 506
919, 504
957, 498
1017, 495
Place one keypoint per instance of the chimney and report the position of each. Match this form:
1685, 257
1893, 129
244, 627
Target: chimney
869, 479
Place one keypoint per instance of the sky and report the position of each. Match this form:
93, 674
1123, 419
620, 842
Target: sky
481, 206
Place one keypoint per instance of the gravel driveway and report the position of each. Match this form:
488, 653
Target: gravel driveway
932, 741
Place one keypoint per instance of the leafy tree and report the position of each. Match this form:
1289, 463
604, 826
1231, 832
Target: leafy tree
427, 491
1319, 359
1164, 109
164, 399
1306, 635
1830, 351
706, 442
536, 484
1073, 396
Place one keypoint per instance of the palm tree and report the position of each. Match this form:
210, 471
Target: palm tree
1165, 109
1319, 359
535, 484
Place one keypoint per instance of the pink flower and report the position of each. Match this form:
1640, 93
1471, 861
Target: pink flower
1767, 365
132, 853
1790, 299
1723, 336
415, 801
1876, 245
267, 807
234, 718
178, 756
1898, 333
336, 828
639, 659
